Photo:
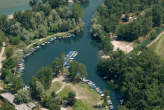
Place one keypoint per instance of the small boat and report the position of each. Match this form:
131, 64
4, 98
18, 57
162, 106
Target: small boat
37, 47
52, 39
105, 77
73, 35
111, 107
109, 102
102, 95
43, 44
97, 89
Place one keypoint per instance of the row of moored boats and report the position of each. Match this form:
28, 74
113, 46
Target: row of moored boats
69, 58
47, 42
99, 91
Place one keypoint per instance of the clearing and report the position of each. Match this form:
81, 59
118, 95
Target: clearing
158, 45
122, 45
87, 98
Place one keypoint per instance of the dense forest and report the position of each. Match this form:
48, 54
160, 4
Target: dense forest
139, 78
127, 19
46, 17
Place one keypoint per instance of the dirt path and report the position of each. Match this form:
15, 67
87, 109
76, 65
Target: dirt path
1, 56
156, 39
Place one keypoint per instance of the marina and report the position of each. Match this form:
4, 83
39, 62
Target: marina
32, 50
69, 58
84, 45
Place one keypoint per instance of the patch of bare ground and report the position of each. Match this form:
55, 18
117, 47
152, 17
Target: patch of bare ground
122, 45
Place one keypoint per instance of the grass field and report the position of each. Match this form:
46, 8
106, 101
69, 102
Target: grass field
158, 47
87, 98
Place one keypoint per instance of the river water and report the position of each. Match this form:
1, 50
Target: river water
10, 6
88, 52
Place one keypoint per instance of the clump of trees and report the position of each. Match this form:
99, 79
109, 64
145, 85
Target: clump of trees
77, 71
139, 77
43, 80
108, 18
45, 17
8, 74
7, 106
22, 96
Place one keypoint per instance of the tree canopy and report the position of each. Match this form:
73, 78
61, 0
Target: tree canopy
138, 77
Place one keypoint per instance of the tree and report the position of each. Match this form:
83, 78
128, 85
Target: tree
136, 76
77, 11
82, 71
42, 31
36, 88
22, 97
16, 84
7, 106
33, 2
4, 23
106, 44
157, 15
71, 98
9, 63
9, 52
51, 102
77, 71
62, 61
105, 98
56, 65
57, 3
45, 76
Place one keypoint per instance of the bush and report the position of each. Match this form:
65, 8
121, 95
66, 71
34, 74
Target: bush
22, 97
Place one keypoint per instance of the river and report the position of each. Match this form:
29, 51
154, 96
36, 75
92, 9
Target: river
88, 53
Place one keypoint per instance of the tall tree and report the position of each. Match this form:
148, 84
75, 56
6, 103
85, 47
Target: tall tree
45, 76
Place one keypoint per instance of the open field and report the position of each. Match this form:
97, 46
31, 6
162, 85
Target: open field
87, 98
158, 46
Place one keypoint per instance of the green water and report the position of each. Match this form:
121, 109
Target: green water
10, 6
88, 52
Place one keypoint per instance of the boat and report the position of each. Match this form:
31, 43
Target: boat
37, 47
73, 35
111, 107
43, 44
52, 39
70, 57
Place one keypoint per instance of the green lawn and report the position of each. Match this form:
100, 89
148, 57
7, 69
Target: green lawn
158, 47
54, 87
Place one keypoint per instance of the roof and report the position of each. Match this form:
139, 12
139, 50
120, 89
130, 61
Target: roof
31, 105
9, 97
22, 107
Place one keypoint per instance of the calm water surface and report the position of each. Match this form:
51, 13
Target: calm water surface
10, 6
88, 53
